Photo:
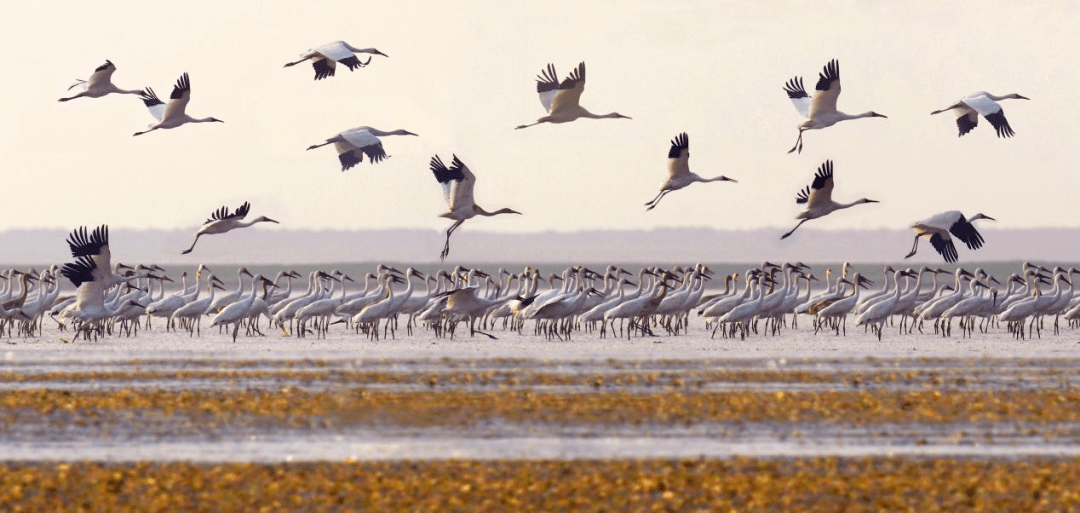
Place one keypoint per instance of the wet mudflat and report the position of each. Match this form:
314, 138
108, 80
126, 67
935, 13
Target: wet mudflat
677, 422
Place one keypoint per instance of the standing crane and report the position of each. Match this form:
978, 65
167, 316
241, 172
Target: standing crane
820, 109
679, 174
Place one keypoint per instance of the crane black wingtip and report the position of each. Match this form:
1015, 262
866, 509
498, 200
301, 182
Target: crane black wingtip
678, 144
828, 75
794, 88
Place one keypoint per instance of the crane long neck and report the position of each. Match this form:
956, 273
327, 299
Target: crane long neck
358, 50
841, 206
846, 116
590, 115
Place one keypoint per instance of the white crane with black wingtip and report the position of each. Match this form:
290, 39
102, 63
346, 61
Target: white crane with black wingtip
99, 84
820, 109
354, 143
679, 174
561, 99
938, 228
325, 58
457, 182
984, 104
221, 221
172, 115
92, 273
818, 198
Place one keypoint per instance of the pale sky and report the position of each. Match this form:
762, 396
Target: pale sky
461, 75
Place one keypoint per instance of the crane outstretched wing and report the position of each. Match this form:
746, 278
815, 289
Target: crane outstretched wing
242, 211
457, 181
445, 176
101, 74
80, 271
88, 244
797, 94
570, 89
827, 89
323, 68
966, 120
547, 86
179, 98
945, 247
94, 245
219, 214
821, 188
223, 213
462, 194
803, 196
679, 156
966, 232
153, 103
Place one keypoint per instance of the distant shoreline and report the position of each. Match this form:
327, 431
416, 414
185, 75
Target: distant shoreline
674, 245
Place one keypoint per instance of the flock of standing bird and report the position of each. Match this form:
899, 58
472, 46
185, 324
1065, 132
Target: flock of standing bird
614, 303
100, 295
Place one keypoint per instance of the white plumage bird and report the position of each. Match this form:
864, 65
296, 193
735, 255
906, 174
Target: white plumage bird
99, 84
221, 221
561, 99
93, 274
820, 109
172, 114
238, 311
325, 58
984, 104
818, 198
679, 174
938, 228
457, 183
354, 143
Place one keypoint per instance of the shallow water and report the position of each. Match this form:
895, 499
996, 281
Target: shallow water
155, 360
